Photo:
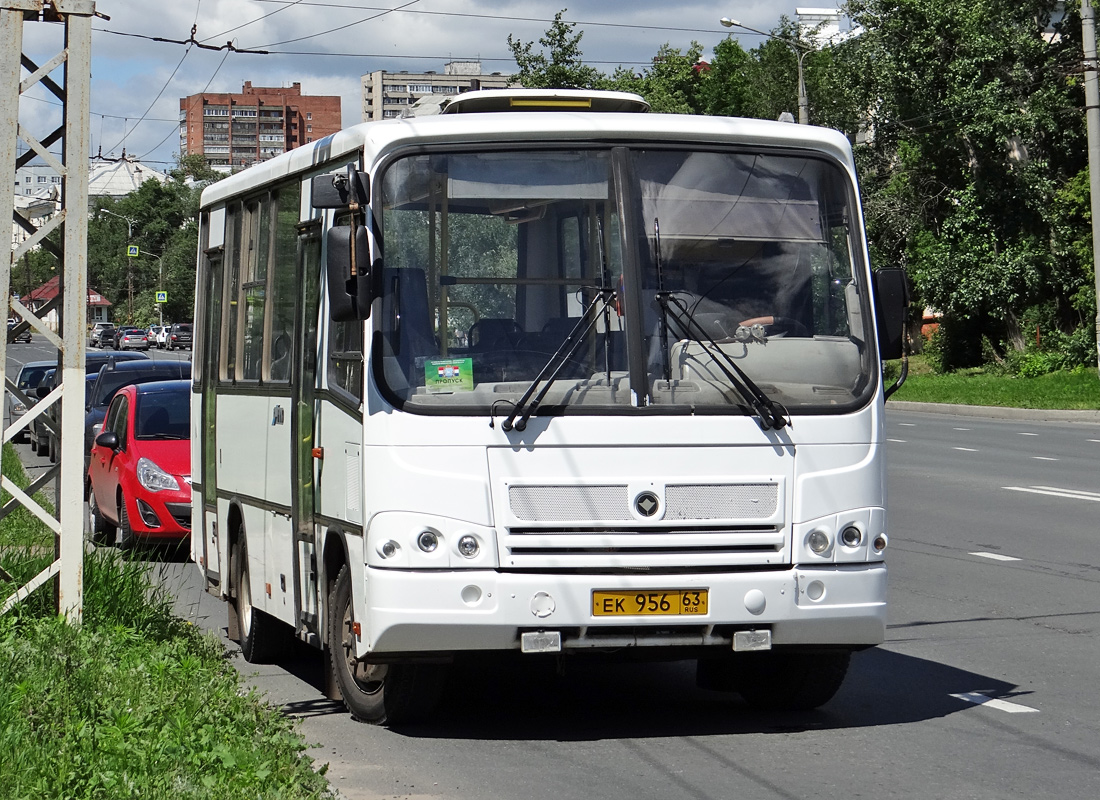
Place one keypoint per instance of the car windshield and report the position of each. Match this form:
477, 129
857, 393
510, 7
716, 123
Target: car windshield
719, 261
163, 415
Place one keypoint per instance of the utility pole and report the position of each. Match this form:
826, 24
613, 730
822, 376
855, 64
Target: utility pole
1092, 124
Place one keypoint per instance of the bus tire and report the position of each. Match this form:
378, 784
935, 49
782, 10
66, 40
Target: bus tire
381, 694
261, 636
777, 681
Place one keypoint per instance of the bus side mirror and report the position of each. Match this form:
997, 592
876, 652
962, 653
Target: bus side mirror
339, 190
891, 305
348, 295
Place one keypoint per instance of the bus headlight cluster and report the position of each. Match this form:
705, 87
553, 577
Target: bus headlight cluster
468, 546
851, 536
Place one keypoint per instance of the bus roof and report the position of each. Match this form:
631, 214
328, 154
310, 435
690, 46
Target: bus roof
377, 139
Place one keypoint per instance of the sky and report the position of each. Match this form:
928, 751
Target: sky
327, 45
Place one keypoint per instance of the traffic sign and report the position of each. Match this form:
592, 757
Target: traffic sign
132, 250
162, 297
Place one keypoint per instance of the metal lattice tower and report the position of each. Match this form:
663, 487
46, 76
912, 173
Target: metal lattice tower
74, 59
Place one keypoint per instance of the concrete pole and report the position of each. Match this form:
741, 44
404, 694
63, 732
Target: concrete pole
1092, 123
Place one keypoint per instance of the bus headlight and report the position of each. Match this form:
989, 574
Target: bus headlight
851, 536
468, 546
428, 540
818, 541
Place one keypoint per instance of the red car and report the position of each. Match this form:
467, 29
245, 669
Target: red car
139, 480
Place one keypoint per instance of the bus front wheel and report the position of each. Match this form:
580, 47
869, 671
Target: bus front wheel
777, 681
389, 694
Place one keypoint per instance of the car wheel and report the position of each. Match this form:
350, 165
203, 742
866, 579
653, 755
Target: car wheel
124, 536
389, 694
102, 529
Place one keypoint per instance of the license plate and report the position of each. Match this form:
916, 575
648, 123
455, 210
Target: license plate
665, 602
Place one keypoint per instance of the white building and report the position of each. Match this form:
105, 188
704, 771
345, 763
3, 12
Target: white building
387, 95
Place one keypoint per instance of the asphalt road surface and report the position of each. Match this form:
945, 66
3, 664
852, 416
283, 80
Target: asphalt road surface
985, 688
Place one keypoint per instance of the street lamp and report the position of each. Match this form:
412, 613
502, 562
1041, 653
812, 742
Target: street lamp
129, 270
800, 50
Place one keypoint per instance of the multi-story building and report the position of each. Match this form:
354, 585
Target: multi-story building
389, 94
232, 131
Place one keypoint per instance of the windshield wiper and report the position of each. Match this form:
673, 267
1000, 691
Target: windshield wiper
772, 415
550, 371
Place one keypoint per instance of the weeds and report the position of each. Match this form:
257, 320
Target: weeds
133, 703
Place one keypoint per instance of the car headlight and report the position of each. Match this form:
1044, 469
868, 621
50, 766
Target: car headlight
153, 477
18, 408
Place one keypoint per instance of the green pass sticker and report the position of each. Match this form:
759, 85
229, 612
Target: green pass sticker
449, 375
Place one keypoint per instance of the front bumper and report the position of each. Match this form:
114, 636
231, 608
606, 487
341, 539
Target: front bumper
450, 611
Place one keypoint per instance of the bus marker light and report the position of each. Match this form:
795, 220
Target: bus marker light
880, 542
427, 541
388, 549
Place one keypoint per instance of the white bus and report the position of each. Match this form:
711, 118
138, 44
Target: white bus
544, 373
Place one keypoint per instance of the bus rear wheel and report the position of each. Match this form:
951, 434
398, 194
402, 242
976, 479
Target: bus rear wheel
389, 694
261, 637
778, 681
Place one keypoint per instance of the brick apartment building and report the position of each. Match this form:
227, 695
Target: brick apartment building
233, 131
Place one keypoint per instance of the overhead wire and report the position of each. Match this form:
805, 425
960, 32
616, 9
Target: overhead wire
342, 27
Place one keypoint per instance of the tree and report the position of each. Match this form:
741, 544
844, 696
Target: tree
670, 85
974, 127
560, 68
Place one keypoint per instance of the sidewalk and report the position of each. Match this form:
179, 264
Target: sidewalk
997, 412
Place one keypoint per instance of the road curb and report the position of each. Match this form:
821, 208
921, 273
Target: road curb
997, 412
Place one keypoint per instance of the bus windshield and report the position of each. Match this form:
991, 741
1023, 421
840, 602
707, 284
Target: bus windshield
623, 276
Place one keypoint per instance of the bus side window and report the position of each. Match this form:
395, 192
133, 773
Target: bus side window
345, 357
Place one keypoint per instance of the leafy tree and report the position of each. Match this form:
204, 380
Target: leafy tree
559, 68
670, 86
973, 125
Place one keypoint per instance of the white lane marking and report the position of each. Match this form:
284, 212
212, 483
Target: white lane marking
913, 425
1021, 433
996, 556
960, 429
1044, 458
899, 441
1053, 491
966, 449
979, 699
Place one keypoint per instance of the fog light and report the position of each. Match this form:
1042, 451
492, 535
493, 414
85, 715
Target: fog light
388, 549
851, 536
880, 542
818, 541
427, 541
468, 546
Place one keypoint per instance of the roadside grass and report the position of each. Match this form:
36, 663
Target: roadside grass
133, 703
1066, 389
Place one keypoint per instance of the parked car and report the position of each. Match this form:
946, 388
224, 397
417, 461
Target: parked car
106, 338
122, 331
23, 336
97, 329
152, 332
139, 476
133, 339
30, 375
179, 335
162, 336
43, 441
116, 375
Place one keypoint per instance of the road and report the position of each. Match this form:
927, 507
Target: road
985, 688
